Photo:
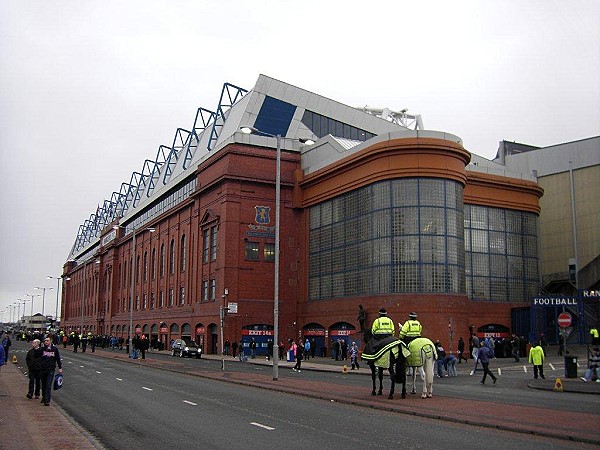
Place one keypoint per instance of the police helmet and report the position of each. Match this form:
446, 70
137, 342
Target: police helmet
382, 312
412, 315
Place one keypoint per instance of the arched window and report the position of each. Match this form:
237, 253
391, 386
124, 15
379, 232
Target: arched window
182, 252
153, 263
145, 266
162, 260
137, 269
172, 257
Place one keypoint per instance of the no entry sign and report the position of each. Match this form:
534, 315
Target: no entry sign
564, 320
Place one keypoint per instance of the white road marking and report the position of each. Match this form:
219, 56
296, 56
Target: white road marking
119, 379
551, 366
147, 388
262, 426
82, 366
190, 403
525, 369
499, 371
97, 371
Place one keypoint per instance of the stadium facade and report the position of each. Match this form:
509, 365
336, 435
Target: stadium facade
377, 212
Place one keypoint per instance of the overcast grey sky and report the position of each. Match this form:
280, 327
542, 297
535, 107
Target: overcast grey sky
90, 89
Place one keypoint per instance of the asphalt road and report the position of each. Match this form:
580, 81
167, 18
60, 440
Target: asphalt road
134, 406
511, 388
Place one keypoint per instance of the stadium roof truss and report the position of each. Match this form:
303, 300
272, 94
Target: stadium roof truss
162, 167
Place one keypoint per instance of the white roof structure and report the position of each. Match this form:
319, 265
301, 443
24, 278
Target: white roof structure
272, 107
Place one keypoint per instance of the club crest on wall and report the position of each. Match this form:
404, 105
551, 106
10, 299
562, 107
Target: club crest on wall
262, 214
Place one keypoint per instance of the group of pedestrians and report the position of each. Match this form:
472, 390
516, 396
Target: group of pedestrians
42, 360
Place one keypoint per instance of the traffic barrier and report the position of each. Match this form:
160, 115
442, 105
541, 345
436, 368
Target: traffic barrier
558, 386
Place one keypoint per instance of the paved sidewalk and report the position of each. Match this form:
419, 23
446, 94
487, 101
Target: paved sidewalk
28, 424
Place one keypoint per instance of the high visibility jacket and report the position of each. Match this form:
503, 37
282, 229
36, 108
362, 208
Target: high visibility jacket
411, 328
594, 333
536, 356
383, 325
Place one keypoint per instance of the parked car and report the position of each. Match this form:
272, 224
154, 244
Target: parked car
186, 347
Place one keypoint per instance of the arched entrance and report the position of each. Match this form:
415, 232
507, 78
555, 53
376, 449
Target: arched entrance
200, 330
186, 331
173, 333
315, 333
163, 330
213, 332
342, 335
261, 333
154, 336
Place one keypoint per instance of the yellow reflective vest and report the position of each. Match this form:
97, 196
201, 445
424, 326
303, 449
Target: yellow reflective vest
536, 356
411, 328
383, 325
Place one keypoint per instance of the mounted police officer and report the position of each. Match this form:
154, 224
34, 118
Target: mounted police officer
383, 326
411, 329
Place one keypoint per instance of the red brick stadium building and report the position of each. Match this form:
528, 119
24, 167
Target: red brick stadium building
378, 212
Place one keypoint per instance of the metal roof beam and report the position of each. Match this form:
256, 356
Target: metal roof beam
230, 94
207, 117
179, 142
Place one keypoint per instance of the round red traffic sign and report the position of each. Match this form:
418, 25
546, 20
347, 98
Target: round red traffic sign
564, 320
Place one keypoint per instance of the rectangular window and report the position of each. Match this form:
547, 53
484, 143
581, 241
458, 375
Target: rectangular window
181, 296
161, 299
205, 291
152, 301
206, 247
213, 243
269, 252
213, 289
171, 295
251, 253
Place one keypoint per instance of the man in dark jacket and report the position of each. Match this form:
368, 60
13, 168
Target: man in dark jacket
33, 368
50, 358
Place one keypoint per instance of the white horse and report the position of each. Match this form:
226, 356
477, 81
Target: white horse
422, 357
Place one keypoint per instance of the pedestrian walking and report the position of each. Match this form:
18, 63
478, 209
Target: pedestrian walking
461, 350
474, 352
354, 356
299, 351
50, 358
594, 366
484, 355
6, 345
33, 360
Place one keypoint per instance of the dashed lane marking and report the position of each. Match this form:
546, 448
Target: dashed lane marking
147, 388
97, 371
256, 424
190, 403
119, 379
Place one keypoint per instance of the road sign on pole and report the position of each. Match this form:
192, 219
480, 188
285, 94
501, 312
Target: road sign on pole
564, 320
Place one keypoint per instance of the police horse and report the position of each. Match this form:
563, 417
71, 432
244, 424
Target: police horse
422, 356
394, 355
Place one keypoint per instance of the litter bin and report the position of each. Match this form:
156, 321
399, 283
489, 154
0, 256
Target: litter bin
570, 366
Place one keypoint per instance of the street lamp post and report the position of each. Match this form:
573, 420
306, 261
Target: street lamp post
43, 289
31, 317
50, 277
133, 273
278, 137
